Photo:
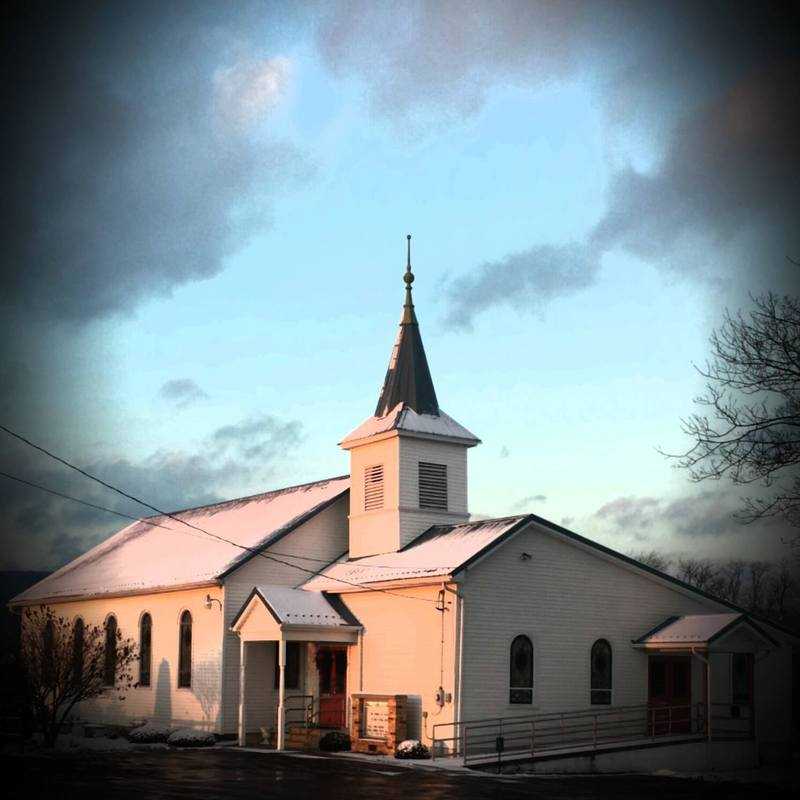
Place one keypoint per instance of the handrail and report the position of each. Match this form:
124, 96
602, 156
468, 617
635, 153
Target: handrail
302, 703
554, 730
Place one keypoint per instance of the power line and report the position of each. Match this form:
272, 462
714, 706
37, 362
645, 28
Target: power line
148, 520
158, 511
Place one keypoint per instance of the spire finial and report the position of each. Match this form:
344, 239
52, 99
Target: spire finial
408, 306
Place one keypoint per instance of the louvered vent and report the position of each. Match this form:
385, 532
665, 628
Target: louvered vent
432, 485
373, 487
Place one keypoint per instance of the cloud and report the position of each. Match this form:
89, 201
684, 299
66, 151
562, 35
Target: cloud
245, 92
41, 531
182, 392
523, 504
504, 452
718, 91
707, 515
524, 281
729, 169
119, 184
440, 59
629, 512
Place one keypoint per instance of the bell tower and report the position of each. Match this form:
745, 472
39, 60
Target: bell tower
408, 462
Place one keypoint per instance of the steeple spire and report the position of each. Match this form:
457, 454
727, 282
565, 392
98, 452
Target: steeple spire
408, 379
408, 306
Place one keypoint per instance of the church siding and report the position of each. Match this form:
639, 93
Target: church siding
414, 520
405, 649
163, 701
324, 537
563, 598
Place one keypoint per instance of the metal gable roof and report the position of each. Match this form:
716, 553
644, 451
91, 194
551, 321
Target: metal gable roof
161, 553
441, 550
696, 629
301, 607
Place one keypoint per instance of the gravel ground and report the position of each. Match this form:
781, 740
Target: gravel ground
228, 773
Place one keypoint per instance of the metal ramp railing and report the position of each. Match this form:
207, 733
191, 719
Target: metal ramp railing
488, 740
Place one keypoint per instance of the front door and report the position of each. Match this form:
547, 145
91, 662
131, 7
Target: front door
332, 669
670, 695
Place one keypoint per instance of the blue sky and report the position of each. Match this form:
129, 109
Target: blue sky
571, 250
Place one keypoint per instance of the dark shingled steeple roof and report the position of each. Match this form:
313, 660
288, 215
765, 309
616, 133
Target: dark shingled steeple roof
408, 379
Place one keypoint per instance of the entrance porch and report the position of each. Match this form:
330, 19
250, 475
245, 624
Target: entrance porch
293, 664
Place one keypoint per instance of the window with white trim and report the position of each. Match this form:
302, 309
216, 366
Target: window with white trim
373, 487
602, 671
432, 485
520, 690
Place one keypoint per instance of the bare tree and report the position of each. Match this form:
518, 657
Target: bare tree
750, 431
66, 661
653, 558
700, 572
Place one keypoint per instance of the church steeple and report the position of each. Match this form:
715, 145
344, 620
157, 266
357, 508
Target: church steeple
408, 379
408, 462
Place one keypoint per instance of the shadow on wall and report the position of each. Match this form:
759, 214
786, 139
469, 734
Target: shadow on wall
162, 710
205, 687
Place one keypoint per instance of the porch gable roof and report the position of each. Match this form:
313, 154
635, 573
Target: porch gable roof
297, 607
696, 630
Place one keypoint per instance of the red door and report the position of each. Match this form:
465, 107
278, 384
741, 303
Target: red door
670, 695
332, 669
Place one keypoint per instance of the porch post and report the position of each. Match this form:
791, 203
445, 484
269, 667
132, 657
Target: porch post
242, 687
281, 691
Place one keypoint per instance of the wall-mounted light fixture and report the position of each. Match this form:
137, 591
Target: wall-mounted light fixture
210, 600
525, 557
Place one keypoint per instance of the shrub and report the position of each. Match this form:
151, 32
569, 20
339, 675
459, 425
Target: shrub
412, 748
190, 737
334, 742
150, 733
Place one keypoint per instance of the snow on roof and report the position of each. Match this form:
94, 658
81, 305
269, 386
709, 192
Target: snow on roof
441, 550
690, 629
146, 557
301, 607
405, 419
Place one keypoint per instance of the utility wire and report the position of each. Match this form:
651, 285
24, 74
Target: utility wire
158, 511
148, 520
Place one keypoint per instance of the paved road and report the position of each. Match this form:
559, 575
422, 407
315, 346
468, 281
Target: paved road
206, 774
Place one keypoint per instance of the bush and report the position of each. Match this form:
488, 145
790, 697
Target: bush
412, 748
190, 737
334, 742
150, 733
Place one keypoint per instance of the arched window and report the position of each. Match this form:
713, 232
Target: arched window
185, 652
77, 649
145, 651
521, 671
110, 663
602, 663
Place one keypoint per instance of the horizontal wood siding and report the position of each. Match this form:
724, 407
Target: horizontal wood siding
162, 701
322, 537
405, 650
563, 598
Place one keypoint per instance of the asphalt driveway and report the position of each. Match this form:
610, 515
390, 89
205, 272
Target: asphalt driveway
228, 773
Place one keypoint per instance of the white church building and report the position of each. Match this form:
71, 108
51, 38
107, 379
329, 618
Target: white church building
371, 603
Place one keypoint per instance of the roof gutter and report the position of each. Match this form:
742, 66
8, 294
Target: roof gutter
73, 598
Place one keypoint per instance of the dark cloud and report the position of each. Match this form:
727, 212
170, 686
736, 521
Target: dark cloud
182, 392
120, 182
705, 515
42, 531
524, 281
716, 82
629, 512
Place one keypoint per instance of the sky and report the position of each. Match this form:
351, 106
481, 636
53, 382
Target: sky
204, 220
